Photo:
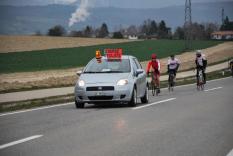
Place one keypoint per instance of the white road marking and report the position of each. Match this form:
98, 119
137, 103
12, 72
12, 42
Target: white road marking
231, 153
19, 141
213, 89
154, 103
30, 110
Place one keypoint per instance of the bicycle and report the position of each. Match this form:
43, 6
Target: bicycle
200, 80
171, 82
154, 87
231, 67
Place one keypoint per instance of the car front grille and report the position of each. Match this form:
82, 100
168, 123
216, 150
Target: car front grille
100, 97
100, 88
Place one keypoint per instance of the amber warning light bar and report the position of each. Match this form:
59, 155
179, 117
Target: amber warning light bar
98, 56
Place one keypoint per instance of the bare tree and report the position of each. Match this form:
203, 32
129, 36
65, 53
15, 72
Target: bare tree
209, 29
132, 30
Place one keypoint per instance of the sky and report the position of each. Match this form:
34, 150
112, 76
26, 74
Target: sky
106, 3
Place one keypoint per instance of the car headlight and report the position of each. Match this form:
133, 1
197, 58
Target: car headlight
81, 83
122, 82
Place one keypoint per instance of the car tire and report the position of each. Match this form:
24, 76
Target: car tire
145, 98
133, 101
79, 104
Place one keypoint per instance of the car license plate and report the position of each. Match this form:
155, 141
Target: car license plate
99, 93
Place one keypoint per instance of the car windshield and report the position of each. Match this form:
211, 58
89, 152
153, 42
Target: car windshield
107, 66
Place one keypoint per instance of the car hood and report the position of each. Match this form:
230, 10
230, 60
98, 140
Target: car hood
103, 78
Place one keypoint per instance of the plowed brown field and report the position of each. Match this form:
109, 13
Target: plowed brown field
30, 43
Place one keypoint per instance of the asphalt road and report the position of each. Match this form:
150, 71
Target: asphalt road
186, 122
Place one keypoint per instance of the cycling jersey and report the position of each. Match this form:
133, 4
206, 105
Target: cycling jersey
201, 61
155, 65
173, 64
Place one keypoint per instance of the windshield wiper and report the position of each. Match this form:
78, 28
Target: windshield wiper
112, 72
90, 72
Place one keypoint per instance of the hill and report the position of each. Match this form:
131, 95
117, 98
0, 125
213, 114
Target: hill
29, 19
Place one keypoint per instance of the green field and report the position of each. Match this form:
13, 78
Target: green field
75, 57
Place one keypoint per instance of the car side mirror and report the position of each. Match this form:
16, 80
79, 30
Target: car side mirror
139, 71
79, 72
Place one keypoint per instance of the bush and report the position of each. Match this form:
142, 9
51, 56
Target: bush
57, 31
117, 35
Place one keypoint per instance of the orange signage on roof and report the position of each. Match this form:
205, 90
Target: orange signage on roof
113, 53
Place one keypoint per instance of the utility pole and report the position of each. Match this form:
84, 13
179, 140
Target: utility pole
188, 25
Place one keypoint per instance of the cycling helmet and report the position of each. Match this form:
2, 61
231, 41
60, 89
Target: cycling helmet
198, 53
153, 56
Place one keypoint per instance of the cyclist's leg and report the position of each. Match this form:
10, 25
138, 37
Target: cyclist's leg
153, 78
152, 81
169, 72
204, 75
174, 79
197, 69
232, 70
158, 82
175, 75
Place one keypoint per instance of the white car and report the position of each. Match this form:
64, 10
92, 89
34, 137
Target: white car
118, 81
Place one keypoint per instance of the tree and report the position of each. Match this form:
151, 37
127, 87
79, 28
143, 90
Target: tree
227, 25
88, 31
209, 29
76, 34
132, 30
153, 28
145, 28
103, 32
179, 33
163, 30
117, 35
57, 30
198, 31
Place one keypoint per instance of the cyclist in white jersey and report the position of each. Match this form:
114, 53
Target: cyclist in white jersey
201, 63
173, 65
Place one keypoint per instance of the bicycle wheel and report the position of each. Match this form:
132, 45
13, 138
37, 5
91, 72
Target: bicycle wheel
198, 84
171, 83
202, 86
157, 91
153, 89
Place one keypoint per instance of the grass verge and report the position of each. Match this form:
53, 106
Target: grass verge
13, 106
27, 104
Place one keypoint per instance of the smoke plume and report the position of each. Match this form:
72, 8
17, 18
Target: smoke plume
80, 14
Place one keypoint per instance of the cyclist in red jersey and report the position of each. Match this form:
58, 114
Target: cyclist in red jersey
155, 64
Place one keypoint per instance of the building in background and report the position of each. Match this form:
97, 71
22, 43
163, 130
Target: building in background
222, 35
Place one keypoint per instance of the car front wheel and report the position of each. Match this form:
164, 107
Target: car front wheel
145, 98
133, 101
79, 104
